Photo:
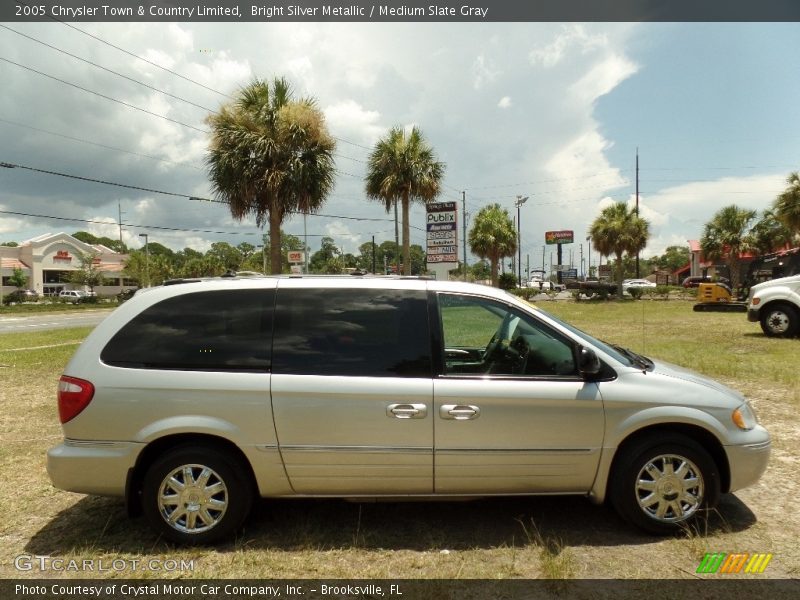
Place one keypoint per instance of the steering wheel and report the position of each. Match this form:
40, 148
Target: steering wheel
495, 346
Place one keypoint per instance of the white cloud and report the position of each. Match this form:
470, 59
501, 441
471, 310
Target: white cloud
602, 78
483, 72
352, 121
571, 37
505, 102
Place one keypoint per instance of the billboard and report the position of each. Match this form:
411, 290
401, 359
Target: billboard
559, 237
442, 232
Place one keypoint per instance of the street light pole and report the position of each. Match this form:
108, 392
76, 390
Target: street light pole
519, 202
589, 252
146, 258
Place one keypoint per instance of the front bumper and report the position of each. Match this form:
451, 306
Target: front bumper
91, 467
752, 315
748, 462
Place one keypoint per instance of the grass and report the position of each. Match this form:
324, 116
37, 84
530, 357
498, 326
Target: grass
544, 537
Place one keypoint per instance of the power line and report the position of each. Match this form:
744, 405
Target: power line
174, 194
102, 41
74, 85
118, 74
162, 227
83, 141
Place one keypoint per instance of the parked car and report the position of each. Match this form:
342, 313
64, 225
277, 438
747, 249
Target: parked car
191, 399
637, 284
72, 296
776, 305
18, 296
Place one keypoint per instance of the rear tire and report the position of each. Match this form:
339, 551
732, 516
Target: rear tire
196, 495
779, 320
661, 485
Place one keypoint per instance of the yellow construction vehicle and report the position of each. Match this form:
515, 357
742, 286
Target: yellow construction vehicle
717, 297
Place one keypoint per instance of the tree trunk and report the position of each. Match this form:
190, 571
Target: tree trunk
620, 272
275, 254
406, 237
494, 260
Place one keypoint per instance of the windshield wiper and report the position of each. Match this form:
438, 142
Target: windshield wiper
640, 360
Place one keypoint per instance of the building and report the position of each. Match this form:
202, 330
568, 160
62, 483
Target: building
49, 260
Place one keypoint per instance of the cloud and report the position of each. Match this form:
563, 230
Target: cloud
505, 102
571, 37
352, 121
482, 72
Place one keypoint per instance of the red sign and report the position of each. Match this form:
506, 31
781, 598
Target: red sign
559, 237
62, 255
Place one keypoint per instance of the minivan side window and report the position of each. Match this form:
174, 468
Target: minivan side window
353, 332
221, 330
486, 337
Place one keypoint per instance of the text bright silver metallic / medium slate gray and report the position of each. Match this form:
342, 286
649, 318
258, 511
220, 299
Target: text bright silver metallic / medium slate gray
192, 399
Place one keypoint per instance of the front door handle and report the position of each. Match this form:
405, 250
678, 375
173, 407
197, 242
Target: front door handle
407, 411
459, 412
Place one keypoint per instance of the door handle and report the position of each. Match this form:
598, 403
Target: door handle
459, 412
407, 411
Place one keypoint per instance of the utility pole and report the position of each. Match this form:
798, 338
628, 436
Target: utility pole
637, 205
464, 213
373, 255
119, 207
520, 201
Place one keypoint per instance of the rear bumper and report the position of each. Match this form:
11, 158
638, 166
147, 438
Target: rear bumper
90, 467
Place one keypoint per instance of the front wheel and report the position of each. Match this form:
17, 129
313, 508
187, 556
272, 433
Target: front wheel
662, 485
779, 320
196, 495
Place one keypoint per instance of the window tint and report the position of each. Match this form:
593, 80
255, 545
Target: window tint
355, 332
485, 337
223, 330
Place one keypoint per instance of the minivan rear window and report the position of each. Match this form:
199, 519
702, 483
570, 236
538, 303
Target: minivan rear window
220, 330
353, 332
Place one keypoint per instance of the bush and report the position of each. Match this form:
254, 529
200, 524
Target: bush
507, 281
636, 292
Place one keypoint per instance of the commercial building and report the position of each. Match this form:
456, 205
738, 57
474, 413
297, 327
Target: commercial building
50, 259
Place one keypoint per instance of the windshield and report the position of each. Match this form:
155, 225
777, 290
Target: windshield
602, 346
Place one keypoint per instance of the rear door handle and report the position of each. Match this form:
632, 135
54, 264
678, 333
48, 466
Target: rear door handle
459, 412
407, 411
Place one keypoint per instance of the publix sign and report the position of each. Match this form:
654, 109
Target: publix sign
442, 232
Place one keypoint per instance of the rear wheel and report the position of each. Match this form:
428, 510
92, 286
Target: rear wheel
663, 484
779, 320
196, 495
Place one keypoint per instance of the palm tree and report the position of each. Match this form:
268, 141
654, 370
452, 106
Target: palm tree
403, 167
726, 236
769, 233
618, 230
270, 156
493, 236
787, 205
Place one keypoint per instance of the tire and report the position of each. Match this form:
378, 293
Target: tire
662, 484
216, 503
779, 320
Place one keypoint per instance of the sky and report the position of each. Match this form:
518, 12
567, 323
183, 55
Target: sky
554, 112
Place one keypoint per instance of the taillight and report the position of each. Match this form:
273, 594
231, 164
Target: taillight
73, 396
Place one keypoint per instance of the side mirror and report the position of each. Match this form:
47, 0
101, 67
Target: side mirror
588, 363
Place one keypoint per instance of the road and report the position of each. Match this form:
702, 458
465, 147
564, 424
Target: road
19, 323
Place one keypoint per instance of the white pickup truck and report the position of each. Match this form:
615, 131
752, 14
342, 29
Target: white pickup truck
776, 305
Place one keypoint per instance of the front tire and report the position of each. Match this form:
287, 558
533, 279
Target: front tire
196, 495
779, 320
661, 485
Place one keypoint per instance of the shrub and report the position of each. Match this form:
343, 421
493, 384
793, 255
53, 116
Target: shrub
636, 292
507, 281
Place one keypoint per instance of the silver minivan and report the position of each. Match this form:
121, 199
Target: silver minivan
192, 399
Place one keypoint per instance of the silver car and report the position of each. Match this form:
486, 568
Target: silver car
192, 399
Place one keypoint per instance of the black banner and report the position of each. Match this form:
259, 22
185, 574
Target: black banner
401, 11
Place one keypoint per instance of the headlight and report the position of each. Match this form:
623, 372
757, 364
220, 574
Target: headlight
744, 417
